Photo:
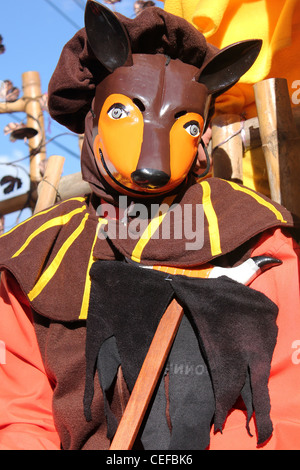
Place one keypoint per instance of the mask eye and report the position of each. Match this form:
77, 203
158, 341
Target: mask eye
193, 128
117, 111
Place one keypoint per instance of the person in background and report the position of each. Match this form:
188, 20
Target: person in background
277, 23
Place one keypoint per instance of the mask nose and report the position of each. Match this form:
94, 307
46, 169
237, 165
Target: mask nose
149, 178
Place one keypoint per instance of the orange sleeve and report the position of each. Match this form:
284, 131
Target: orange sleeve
281, 284
26, 421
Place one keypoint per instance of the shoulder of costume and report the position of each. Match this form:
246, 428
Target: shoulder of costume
232, 215
49, 255
235, 214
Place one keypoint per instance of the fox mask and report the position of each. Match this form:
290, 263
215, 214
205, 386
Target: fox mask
151, 110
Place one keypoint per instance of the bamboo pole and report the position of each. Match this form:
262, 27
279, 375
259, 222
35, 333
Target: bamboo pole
14, 204
47, 189
227, 147
35, 119
280, 141
250, 130
68, 186
12, 107
148, 378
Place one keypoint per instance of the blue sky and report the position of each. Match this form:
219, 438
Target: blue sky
34, 33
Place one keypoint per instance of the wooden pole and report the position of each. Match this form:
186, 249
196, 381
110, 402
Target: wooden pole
227, 147
148, 378
35, 119
47, 189
68, 186
12, 107
250, 131
13, 204
280, 141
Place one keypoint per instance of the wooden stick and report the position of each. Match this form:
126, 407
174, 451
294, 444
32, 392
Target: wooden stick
147, 379
280, 141
47, 189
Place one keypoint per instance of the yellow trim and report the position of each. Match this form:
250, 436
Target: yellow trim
80, 199
150, 230
51, 270
61, 220
213, 225
259, 199
87, 288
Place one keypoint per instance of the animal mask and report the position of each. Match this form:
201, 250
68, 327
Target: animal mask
152, 102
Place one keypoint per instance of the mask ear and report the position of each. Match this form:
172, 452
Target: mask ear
107, 36
226, 68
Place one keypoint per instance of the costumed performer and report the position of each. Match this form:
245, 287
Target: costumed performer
84, 283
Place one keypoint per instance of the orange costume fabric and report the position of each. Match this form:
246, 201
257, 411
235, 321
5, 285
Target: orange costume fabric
26, 421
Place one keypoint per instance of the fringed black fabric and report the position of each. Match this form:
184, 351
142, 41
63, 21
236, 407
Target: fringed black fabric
237, 327
108, 362
222, 351
125, 302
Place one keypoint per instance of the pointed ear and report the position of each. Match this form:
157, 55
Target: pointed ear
107, 36
226, 68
